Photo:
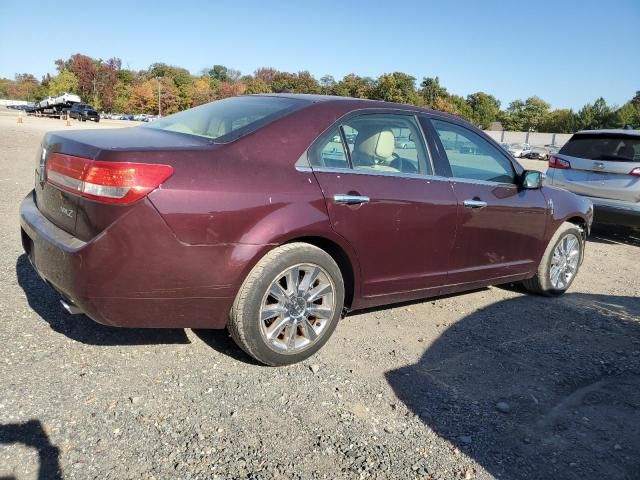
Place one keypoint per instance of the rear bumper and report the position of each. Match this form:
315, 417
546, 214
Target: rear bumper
613, 212
136, 273
616, 215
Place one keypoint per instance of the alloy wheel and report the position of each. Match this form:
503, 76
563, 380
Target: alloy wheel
297, 308
564, 262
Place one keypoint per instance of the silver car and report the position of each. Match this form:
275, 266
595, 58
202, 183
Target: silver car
604, 166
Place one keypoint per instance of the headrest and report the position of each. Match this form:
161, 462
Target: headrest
375, 143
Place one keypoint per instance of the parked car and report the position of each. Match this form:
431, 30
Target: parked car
535, 154
66, 99
46, 102
603, 166
246, 214
552, 148
519, 149
83, 112
505, 146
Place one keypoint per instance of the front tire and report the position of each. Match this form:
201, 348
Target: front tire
559, 264
288, 306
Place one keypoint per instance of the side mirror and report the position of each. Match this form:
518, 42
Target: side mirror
532, 179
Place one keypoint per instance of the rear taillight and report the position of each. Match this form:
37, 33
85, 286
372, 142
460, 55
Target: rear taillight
635, 172
557, 162
111, 182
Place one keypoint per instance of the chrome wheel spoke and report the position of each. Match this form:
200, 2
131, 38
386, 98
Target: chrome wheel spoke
320, 312
296, 308
308, 330
291, 336
274, 311
277, 292
276, 327
292, 277
308, 280
318, 292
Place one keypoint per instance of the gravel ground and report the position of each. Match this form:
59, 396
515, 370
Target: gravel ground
489, 384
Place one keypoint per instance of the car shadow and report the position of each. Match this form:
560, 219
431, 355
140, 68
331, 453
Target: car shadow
220, 341
610, 234
31, 434
46, 303
536, 388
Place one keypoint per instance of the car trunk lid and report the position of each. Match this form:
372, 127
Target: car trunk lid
86, 210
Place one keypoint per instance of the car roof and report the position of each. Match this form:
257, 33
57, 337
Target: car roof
358, 103
609, 131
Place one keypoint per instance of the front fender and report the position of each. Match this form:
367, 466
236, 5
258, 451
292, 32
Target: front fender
566, 206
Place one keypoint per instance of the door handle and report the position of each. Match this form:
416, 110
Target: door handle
342, 198
474, 204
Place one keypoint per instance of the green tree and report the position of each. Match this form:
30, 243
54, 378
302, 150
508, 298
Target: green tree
5, 87
65, 81
431, 90
525, 116
559, 121
484, 108
396, 87
354, 86
327, 84
596, 115
219, 72
628, 114
301, 82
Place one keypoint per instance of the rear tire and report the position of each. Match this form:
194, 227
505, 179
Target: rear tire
288, 306
558, 267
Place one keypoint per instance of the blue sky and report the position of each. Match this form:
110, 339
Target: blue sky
567, 52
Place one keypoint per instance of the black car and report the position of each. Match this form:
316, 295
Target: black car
84, 112
536, 154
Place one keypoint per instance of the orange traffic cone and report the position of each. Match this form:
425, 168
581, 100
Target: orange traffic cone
20, 120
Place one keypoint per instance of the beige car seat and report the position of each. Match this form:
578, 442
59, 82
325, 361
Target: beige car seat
373, 148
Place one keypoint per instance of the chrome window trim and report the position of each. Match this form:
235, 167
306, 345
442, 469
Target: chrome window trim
482, 182
348, 171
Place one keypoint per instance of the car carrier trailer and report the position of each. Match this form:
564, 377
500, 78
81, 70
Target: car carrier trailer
55, 107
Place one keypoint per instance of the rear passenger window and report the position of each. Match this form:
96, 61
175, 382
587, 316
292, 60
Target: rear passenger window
471, 156
386, 143
378, 143
329, 152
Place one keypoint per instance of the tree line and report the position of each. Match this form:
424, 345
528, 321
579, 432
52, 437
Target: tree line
109, 87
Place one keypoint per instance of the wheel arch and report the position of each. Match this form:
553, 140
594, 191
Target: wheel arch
345, 261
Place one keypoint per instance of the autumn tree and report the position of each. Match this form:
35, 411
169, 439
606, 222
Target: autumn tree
84, 68
201, 92
23, 87
265, 74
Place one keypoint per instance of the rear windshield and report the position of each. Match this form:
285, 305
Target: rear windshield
618, 148
225, 120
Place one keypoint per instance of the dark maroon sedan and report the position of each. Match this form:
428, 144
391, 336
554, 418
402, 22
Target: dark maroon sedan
272, 215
